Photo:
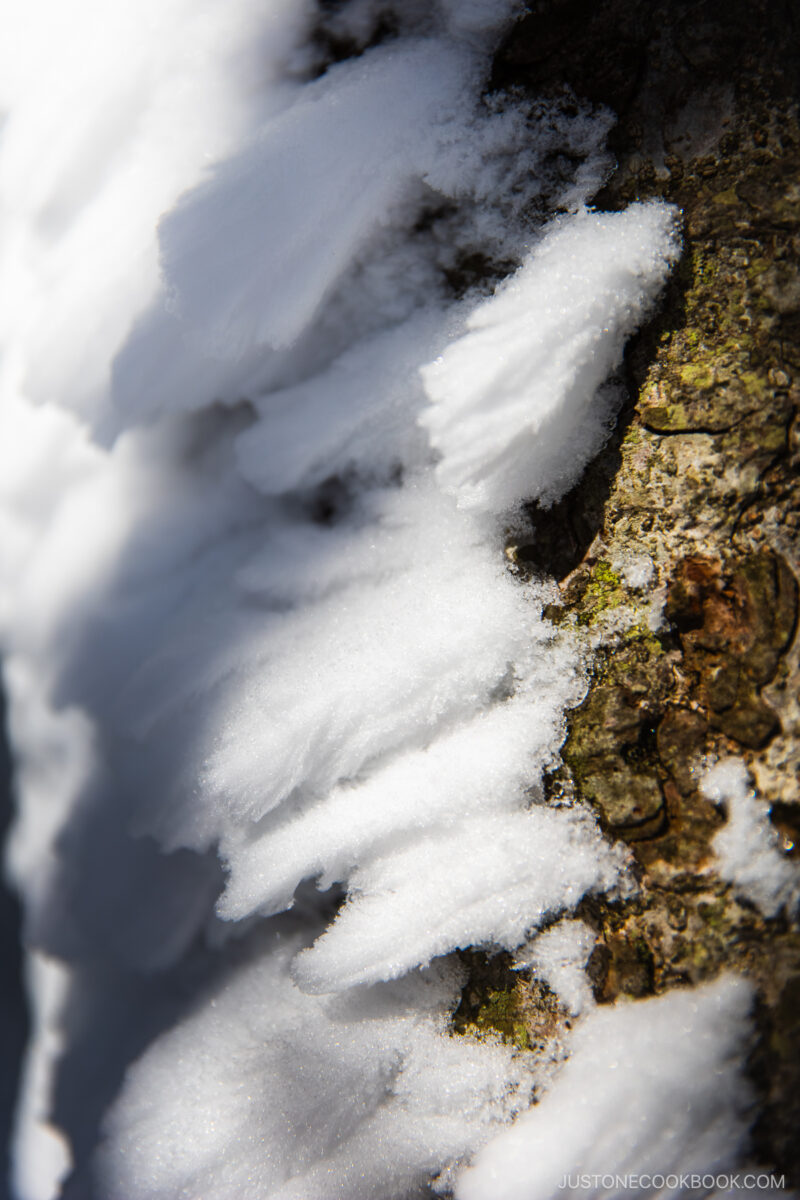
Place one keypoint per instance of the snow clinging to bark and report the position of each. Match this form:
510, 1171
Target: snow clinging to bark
281, 712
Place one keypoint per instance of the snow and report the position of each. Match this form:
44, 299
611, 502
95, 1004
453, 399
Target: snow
259, 453
138, 103
43, 1153
638, 570
488, 881
657, 1087
747, 848
559, 956
326, 194
541, 347
266, 1092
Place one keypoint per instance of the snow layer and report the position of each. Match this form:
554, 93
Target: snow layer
488, 881
138, 102
747, 848
541, 347
657, 1087
268, 1093
260, 444
559, 956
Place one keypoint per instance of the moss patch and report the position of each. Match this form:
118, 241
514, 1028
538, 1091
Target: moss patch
498, 1002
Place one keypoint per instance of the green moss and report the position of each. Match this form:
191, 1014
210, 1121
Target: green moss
522, 1039
643, 634
696, 375
499, 1015
713, 913
701, 957
604, 576
757, 266
754, 383
704, 268
667, 418
603, 591
497, 1009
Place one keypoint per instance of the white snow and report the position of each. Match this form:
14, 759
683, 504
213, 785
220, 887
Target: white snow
43, 1153
638, 570
258, 457
266, 1092
541, 348
651, 1088
112, 114
747, 848
488, 881
559, 956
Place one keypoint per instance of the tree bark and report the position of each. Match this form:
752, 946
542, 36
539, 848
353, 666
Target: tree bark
698, 486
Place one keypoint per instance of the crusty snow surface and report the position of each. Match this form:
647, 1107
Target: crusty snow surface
281, 712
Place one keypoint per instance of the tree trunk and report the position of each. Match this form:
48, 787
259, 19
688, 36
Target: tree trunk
692, 512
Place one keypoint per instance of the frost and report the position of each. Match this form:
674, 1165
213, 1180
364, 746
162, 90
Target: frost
638, 570
657, 1087
264, 426
488, 881
559, 956
392, 103
269, 1094
747, 849
518, 406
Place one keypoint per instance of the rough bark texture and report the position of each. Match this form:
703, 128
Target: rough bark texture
701, 477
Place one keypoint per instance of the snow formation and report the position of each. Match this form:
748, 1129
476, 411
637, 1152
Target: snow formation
261, 437
747, 848
670, 1066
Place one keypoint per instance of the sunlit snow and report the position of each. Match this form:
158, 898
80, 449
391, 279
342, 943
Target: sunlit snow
747, 847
